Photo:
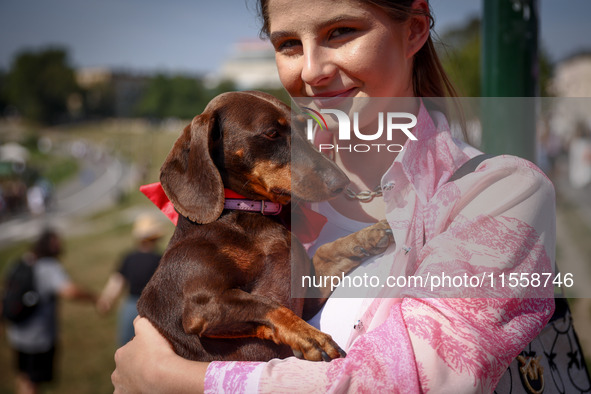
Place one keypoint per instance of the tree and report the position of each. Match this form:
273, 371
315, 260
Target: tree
3, 99
461, 54
461, 57
177, 96
40, 83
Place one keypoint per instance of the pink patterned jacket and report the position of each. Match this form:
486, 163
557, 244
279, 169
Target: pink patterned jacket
501, 218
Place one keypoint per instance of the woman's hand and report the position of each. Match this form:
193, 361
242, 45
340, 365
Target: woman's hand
148, 364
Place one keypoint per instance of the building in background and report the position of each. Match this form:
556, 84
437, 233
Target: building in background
251, 65
572, 76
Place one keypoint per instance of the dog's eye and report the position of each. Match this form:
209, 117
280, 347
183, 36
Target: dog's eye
271, 134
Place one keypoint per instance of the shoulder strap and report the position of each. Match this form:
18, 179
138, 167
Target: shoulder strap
469, 166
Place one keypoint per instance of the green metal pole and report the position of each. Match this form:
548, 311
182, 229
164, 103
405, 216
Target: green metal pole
509, 75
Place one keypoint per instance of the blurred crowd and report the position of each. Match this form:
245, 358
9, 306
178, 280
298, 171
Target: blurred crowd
22, 187
29, 310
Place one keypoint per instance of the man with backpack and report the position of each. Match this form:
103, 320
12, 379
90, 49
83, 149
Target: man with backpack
32, 328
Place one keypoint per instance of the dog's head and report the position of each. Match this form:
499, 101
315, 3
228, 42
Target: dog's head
243, 141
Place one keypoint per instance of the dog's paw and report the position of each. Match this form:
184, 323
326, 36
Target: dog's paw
373, 240
314, 345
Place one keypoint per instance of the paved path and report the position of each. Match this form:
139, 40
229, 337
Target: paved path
98, 185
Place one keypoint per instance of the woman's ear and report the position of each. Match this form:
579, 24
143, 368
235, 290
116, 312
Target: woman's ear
419, 27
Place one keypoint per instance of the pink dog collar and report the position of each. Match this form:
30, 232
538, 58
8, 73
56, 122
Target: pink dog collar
238, 202
306, 228
233, 201
264, 207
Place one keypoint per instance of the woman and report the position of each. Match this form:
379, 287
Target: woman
35, 339
395, 344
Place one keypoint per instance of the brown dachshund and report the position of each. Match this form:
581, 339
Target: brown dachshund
224, 290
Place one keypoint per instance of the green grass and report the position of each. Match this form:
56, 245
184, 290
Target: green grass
55, 168
134, 140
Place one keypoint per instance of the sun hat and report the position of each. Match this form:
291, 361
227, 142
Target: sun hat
147, 227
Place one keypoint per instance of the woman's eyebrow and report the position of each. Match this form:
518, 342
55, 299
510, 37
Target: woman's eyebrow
276, 35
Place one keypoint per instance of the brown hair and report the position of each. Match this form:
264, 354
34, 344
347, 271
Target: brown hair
47, 245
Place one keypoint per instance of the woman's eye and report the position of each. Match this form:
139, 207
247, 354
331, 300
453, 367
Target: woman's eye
287, 45
336, 33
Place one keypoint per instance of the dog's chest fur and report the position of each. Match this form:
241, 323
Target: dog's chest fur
254, 256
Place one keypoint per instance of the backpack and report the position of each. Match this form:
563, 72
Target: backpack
20, 295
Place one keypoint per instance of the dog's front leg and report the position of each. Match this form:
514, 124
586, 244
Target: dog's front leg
345, 254
237, 314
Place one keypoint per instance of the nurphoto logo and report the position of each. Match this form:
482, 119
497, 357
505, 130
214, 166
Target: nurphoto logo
394, 122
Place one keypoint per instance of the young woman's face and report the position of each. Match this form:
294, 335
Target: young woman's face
325, 48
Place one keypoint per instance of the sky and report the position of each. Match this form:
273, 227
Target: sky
196, 36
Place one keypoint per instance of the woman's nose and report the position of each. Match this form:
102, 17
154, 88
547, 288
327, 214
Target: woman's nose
318, 66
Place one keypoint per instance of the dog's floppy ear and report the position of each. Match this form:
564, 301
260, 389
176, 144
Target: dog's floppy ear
189, 176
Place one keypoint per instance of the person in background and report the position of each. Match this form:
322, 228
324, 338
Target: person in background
35, 339
134, 272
